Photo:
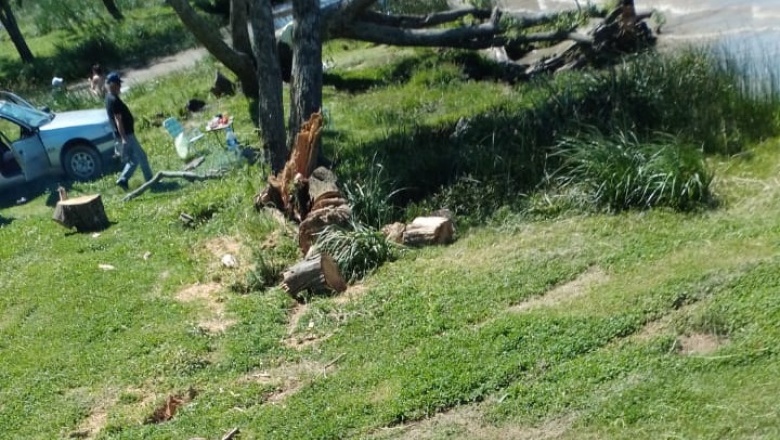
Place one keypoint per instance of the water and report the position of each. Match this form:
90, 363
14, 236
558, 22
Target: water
746, 29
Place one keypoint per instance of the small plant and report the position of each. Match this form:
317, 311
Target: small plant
621, 172
371, 198
357, 250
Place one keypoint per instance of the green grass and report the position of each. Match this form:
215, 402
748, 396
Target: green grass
577, 323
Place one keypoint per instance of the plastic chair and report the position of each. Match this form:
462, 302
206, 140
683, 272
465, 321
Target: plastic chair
182, 139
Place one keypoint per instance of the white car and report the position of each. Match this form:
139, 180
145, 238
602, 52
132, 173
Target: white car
36, 143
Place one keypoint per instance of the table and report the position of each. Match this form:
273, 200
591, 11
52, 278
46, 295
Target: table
217, 131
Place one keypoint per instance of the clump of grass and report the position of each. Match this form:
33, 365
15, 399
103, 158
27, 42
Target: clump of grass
621, 172
371, 197
357, 250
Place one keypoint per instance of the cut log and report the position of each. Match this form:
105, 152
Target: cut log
322, 185
85, 213
317, 273
318, 220
394, 232
429, 230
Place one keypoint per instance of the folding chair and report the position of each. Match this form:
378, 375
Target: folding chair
182, 139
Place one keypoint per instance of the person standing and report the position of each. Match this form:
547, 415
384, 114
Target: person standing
97, 81
122, 120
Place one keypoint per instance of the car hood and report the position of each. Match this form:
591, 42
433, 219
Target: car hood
77, 118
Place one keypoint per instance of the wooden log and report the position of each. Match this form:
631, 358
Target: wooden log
429, 230
322, 185
316, 273
318, 220
85, 213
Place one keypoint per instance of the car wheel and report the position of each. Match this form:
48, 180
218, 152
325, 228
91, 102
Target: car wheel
82, 162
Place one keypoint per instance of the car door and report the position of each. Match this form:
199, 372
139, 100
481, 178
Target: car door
32, 157
19, 127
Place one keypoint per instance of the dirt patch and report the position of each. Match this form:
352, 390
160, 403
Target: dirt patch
353, 293
93, 424
564, 292
215, 318
220, 246
698, 344
287, 379
295, 339
468, 423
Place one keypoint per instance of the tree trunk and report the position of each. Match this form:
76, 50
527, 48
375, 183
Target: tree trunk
112, 9
317, 273
269, 78
85, 213
238, 26
306, 80
238, 62
8, 20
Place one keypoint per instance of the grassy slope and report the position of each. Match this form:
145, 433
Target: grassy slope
457, 331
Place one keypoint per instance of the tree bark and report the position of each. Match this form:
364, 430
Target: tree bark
85, 213
269, 78
8, 20
112, 9
238, 26
306, 80
317, 273
238, 62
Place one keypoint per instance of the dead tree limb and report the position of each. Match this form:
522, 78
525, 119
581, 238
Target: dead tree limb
187, 175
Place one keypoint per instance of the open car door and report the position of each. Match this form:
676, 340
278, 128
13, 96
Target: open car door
32, 157
21, 118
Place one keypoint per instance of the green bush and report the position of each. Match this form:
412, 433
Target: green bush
357, 250
620, 172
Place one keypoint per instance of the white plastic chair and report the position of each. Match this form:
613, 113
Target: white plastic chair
182, 139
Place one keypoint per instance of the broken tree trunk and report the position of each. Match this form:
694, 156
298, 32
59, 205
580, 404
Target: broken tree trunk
290, 184
316, 273
85, 213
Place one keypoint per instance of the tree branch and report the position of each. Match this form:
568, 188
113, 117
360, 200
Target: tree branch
238, 62
211, 174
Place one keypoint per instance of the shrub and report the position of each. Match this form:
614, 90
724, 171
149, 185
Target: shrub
621, 172
357, 250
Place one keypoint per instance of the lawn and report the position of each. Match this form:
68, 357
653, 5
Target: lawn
542, 320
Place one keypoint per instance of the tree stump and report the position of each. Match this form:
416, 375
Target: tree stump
85, 213
428, 230
316, 273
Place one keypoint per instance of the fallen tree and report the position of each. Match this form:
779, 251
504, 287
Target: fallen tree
514, 34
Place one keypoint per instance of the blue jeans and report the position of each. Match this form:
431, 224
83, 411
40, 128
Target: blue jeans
133, 156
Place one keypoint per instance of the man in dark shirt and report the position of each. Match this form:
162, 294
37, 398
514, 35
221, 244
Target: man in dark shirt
124, 131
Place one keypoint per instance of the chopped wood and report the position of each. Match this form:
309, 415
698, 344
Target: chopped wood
85, 213
394, 232
187, 175
318, 220
429, 230
316, 273
329, 202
